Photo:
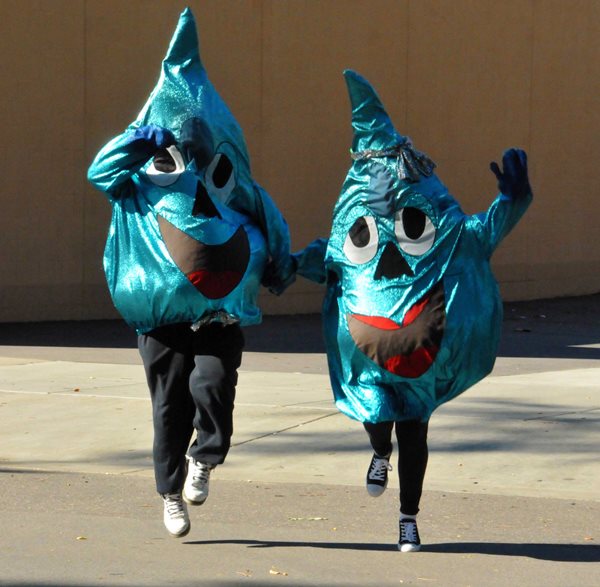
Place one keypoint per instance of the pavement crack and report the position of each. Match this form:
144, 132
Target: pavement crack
559, 414
275, 432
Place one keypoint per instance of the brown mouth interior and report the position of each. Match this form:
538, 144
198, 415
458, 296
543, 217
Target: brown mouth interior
386, 347
194, 257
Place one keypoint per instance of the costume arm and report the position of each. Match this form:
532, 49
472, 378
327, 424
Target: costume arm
501, 217
311, 261
510, 205
281, 268
124, 156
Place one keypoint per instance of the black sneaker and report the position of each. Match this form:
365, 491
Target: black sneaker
377, 475
409, 540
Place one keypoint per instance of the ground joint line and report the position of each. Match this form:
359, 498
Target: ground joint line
284, 429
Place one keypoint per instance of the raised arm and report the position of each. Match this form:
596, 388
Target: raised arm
124, 155
506, 210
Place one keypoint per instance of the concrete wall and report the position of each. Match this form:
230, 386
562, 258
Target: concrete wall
464, 78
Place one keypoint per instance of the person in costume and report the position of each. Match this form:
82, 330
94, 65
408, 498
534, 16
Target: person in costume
191, 237
412, 313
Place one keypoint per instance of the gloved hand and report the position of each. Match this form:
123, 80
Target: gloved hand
275, 282
155, 136
513, 180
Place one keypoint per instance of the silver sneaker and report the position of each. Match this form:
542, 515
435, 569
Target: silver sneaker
195, 489
175, 516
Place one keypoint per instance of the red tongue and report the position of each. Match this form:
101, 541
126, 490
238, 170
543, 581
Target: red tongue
413, 365
378, 322
214, 284
387, 324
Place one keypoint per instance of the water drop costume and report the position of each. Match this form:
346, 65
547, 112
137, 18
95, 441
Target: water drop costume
192, 237
191, 231
412, 312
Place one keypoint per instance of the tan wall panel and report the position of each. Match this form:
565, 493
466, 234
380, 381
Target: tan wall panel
469, 83
464, 78
42, 157
564, 248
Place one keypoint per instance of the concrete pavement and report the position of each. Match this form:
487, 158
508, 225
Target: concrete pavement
511, 495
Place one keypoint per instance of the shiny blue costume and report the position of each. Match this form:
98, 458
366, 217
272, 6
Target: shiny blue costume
412, 313
191, 232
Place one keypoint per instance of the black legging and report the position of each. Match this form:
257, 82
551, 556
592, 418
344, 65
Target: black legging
412, 457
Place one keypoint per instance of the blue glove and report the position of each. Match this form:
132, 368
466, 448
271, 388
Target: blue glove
274, 281
155, 136
513, 180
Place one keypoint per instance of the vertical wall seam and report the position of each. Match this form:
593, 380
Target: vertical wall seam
85, 130
406, 70
531, 74
530, 121
261, 85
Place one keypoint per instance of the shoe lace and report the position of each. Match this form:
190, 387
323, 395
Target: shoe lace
379, 469
174, 505
200, 472
408, 531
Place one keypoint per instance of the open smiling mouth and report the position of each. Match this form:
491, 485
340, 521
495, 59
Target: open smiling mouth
406, 349
214, 270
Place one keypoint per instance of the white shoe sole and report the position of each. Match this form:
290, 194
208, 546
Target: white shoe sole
409, 547
376, 490
181, 534
191, 501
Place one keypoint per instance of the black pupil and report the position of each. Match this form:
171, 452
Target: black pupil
359, 233
413, 221
222, 172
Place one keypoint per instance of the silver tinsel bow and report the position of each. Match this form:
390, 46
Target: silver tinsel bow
409, 162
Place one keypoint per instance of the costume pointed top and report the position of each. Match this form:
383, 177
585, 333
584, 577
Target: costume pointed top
375, 135
184, 44
372, 126
183, 91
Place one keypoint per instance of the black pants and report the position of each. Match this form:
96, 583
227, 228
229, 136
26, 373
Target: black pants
192, 378
412, 457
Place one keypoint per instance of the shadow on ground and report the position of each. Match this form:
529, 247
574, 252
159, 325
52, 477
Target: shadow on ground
571, 553
201, 583
549, 552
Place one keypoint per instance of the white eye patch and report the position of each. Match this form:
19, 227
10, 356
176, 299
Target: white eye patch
166, 178
220, 177
414, 230
361, 242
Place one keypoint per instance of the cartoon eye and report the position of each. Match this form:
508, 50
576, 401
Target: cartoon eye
414, 230
219, 177
166, 167
360, 245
